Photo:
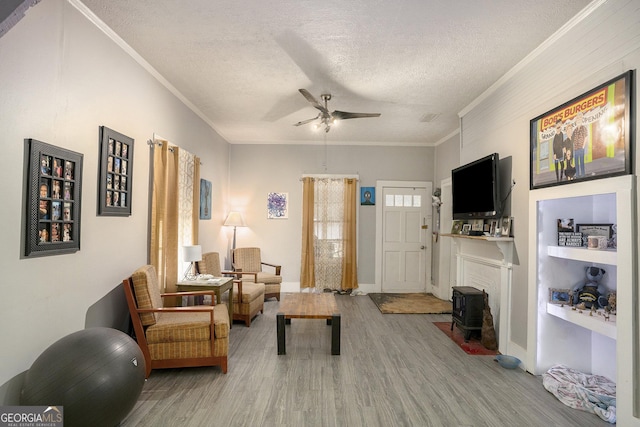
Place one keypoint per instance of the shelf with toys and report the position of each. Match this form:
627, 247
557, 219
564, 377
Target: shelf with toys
597, 322
596, 318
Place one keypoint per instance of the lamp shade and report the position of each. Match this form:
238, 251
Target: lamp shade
235, 219
192, 253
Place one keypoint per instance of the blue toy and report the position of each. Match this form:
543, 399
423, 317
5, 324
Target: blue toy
591, 292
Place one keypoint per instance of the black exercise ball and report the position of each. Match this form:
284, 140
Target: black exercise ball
96, 375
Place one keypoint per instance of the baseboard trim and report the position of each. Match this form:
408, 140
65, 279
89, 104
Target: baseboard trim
365, 288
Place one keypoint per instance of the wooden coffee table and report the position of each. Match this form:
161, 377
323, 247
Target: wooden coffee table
308, 306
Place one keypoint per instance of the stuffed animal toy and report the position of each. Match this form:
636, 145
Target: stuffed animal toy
591, 292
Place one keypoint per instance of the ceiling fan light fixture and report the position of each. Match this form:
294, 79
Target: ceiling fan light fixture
326, 118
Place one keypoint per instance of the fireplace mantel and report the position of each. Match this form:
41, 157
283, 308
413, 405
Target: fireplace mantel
486, 263
504, 244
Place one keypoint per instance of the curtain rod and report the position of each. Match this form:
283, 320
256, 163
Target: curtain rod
159, 144
330, 176
151, 143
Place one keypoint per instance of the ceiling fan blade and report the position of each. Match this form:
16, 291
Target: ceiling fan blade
304, 122
313, 101
343, 115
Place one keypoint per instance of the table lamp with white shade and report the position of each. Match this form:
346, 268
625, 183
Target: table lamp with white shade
191, 254
234, 219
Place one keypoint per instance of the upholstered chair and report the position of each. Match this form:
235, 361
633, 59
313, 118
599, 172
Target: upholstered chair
247, 260
175, 337
248, 296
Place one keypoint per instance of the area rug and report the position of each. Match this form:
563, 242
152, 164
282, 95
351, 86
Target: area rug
457, 336
410, 304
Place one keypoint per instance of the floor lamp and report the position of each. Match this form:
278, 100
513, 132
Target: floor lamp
234, 219
191, 254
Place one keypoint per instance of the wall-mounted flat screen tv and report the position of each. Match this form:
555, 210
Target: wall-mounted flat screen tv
476, 189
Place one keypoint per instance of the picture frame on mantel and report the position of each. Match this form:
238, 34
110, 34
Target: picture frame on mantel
506, 227
54, 184
588, 137
115, 181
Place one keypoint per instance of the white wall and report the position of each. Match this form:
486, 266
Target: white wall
257, 170
604, 44
447, 157
60, 79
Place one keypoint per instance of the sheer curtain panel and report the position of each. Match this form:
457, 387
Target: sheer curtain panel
329, 256
188, 201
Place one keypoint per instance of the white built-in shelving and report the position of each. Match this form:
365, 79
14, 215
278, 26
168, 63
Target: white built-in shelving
560, 334
583, 318
609, 256
595, 322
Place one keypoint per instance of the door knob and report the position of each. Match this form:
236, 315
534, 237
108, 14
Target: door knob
422, 247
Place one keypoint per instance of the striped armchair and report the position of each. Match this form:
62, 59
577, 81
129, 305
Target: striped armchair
248, 297
175, 337
248, 260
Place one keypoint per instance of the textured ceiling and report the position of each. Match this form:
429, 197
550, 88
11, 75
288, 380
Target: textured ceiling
417, 62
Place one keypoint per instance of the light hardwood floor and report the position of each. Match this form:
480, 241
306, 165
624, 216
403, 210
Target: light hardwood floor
394, 370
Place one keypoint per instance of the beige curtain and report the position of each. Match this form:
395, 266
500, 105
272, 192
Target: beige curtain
307, 269
329, 255
349, 258
174, 212
163, 245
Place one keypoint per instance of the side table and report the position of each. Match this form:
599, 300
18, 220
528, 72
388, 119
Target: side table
218, 285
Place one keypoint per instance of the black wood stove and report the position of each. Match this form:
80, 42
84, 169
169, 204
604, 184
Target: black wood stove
468, 304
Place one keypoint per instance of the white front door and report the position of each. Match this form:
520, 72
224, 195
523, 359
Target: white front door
406, 238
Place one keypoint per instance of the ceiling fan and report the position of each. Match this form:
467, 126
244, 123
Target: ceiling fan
325, 117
